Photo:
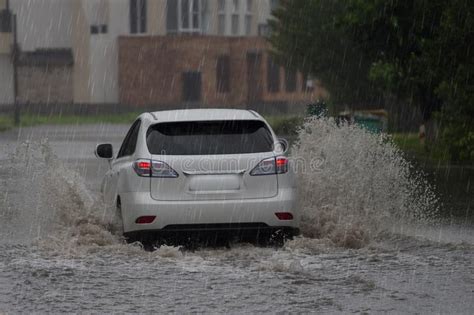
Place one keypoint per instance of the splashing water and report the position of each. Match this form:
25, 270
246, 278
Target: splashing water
54, 200
353, 184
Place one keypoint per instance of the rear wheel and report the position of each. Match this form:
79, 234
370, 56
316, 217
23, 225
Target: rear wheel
118, 218
147, 242
278, 238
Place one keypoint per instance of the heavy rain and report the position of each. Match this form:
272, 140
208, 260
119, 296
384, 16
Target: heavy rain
350, 122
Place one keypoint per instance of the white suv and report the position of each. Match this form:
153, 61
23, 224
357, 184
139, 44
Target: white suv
198, 171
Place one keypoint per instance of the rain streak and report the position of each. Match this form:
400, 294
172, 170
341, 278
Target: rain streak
371, 105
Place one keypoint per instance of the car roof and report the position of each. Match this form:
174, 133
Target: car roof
204, 114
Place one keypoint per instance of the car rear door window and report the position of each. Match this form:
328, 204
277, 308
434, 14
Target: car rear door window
209, 137
130, 143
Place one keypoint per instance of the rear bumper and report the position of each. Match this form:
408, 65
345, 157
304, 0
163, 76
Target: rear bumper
208, 212
213, 232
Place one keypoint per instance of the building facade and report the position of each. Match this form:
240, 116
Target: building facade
6, 66
44, 67
113, 45
215, 71
99, 24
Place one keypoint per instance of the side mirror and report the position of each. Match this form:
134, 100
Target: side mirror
280, 146
104, 151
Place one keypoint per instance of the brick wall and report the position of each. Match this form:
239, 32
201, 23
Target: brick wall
151, 71
45, 84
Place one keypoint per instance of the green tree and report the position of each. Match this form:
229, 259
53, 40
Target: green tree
392, 35
451, 55
419, 51
307, 35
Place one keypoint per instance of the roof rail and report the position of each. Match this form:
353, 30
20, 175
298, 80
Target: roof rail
153, 115
254, 113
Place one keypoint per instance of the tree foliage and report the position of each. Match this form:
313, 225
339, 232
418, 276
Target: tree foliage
419, 51
306, 34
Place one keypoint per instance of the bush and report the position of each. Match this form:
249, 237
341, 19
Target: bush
457, 135
285, 125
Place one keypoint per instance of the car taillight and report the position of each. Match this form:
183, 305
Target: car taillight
271, 166
284, 216
147, 219
281, 164
152, 168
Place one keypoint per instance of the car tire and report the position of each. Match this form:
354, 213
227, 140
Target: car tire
147, 243
118, 219
278, 238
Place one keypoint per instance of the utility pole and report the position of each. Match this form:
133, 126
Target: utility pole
15, 52
14, 57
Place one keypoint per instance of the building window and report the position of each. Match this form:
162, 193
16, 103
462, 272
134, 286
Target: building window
189, 16
248, 18
221, 17
196, 14
138, 16
290, 80
184, 16
221, 6
205, 16
263, 30
99, 20
235, 24
248, 25
99, 29
223, 74
274, 4
273, 76
94, 29
235, 6
6, 25
192, 86
221, 24
249, 6
172, 16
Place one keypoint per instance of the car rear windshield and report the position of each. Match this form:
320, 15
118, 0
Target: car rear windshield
209, 137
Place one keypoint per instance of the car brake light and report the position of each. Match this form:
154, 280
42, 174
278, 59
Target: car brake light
281, 164
142, 167
284, 216
152, 168
145, 165
271, 166
147, 219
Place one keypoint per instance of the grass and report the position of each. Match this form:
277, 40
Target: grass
27, 120
282, 125
6, 122
415, 149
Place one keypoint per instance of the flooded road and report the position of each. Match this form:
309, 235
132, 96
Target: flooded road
56, 255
